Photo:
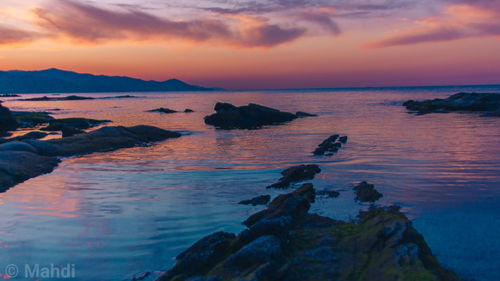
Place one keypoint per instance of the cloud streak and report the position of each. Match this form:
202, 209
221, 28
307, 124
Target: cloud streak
10, 35
82, 22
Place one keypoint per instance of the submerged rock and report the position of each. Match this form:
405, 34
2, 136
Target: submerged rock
328, 193
259, 200
296, 174
366, 192
296, 245
301, 114
252, 116
163, 110
187, 110
76, 123
489, 103
330, 145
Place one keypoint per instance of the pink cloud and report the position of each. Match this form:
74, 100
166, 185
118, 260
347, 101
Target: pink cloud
467, 19
83, 22
10, 35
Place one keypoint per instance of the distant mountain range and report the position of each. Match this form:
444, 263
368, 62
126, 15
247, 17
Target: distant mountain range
60, 81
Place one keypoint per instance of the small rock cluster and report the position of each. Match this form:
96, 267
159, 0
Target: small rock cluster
330, 145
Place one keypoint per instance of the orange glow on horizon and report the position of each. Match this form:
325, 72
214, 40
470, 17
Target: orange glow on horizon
412, 53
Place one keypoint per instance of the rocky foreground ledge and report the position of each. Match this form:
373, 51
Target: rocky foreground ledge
22, 160
285, 242
488, 103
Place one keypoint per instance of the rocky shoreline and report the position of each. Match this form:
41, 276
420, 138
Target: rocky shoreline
282, 242
25, 157
286, 242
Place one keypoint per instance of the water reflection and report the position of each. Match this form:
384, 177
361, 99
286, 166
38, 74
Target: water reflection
132, 210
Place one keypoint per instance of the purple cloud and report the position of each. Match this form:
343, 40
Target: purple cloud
321, 18
92, 24
270, 35
11, 35
442, 34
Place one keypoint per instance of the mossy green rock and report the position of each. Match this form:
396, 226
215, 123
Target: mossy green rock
382, 245
31, 119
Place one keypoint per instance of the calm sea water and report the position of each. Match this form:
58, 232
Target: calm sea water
121, 213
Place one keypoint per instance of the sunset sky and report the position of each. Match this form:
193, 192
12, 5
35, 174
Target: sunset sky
243, 44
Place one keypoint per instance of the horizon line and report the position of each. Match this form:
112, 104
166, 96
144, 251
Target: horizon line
264, 89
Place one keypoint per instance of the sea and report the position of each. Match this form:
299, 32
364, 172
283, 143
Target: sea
117, 215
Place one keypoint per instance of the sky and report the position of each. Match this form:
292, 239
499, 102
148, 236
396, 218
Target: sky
265, 44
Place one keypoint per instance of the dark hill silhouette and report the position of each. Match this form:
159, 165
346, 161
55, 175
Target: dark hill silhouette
60, 81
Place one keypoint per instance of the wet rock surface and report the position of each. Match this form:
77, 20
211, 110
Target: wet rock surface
488, 103
285, 242
252, 116
366, 192
296, 174
21, 162
259, 200
331, 145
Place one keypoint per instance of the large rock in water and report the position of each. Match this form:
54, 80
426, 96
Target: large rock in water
489, 103
285, 242
252, 116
